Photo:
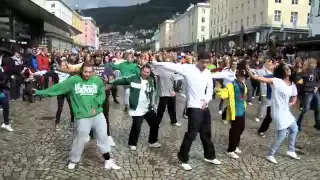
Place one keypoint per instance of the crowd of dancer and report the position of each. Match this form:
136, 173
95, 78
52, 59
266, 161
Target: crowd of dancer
151, 82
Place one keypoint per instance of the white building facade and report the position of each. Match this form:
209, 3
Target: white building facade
166, 34
41, 3
60, 9
314, 18
97, 38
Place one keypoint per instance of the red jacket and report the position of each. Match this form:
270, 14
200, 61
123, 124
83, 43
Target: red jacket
43, 62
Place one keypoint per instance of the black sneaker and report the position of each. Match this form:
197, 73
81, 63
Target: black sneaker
116, 101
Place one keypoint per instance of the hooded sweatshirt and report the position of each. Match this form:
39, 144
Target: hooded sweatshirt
127, 68
85, 95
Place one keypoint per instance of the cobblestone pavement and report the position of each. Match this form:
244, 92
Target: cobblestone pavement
36, 151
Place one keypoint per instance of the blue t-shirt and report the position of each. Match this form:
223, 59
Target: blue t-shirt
239, 98
269, 88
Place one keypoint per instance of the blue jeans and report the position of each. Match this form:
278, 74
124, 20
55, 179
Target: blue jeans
306, 107
4, 102
281, 135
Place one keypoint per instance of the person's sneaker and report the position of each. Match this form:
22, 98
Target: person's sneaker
72, 125
238, 151
233, 155
109, 164
176, 124
257, 119
116, 101
250, 103
293, 155
213, 161
57, 128
133, 148
259, 102
71, 165
271, 159
126, 109
111, 141
220, 112
12, 100
185, 166
183, 95
155, 145
225, 121
262, 134
7, 127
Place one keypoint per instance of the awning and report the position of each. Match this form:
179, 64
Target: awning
33, 11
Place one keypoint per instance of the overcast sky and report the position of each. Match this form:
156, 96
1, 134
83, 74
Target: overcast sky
85, 4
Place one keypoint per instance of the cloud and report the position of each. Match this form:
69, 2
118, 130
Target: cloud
85, 4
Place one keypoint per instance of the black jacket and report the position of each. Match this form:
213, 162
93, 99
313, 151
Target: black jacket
311, 79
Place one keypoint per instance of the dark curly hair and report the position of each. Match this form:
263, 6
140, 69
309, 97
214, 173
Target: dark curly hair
241, 68
281, 72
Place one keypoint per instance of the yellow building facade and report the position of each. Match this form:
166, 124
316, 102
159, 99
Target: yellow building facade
77, 23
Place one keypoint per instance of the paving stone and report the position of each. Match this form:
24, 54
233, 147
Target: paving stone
36, 151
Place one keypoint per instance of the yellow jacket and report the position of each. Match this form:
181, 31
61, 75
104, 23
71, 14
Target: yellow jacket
228, 93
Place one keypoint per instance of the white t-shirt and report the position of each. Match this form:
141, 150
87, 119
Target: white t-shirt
143, 103
280, 109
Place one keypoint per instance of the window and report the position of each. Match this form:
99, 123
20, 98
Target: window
294, 1
203, 19
242, 7
236, 9
232, 11
214, 33
247, 21
254, 19
203, 11
277, 1
53, 13
203, 28
261, 17
241, 22
294, 16
254, 3
221, 29
226, 16
225, 28
214, 21
218, 20
218, 8
236, 28
308, 18
277, 15
221, 18
231, 26
310, 2
248, 4
85, 35
53, 5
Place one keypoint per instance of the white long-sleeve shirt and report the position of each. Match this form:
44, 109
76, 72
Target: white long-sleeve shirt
227, 75
198, 83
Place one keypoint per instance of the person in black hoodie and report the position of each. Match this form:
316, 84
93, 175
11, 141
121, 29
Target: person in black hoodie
311, 84
14, 69
4, 100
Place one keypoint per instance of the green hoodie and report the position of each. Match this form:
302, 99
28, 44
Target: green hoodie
127, 68
85, 95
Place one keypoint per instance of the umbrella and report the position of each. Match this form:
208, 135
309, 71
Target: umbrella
6, 51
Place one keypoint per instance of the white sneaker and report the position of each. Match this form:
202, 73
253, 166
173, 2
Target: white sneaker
262, 134
185, 166
293, 155
109, 164
155, 145
111, 141
176, 124
233, 155
213, 161
57, 128
250, 103
7, 127
220, 112
225, 121
238, 151
271, 159
183, 95
257, 119
71, 165
133, 148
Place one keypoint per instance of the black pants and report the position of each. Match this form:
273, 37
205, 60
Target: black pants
15, 85
4, 102
177, 85
199, 120
221, 104
137, 121
60, 100
170, 104
114, 92
255, 88
266, 121
105, 107
235, 132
